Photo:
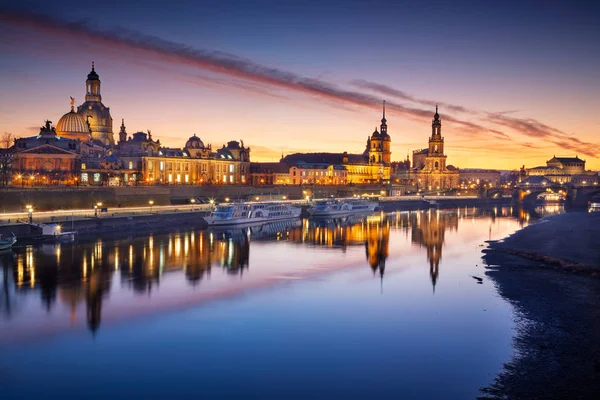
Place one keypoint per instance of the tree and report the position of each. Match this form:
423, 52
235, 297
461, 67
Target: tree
6, 140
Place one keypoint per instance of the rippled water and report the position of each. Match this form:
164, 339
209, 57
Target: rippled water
389, 305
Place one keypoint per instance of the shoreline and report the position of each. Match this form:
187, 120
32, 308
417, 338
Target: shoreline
550, 274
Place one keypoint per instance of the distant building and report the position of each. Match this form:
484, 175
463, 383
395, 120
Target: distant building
370, 166
470, 177
562, 170
429, 169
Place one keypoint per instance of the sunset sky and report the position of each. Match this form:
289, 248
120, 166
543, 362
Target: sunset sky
516, 82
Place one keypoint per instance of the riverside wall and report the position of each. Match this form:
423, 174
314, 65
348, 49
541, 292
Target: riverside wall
57, 198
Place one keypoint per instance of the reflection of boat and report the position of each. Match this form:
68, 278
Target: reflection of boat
550, 198
252, 213
262, 231
330, 208
594, 207
340, 220
6, 242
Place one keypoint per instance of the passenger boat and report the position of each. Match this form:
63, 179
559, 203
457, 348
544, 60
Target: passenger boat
6, 242
594, 207
550, 198
331, 208
252, 213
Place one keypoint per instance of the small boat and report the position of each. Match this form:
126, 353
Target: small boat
6, 242
54, 233
594, 207
331, 208
250, 213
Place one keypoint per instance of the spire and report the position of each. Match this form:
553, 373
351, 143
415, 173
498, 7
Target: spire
93, 67
383, 127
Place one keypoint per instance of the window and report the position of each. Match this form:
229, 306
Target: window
178, 178
96, 177
170, 178
150, 165
224, 178
84, 177
187, 178
230, 168
230, 178
130, 164
162, 166
83, 166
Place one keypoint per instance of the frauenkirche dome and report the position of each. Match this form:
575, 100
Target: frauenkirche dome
73, 126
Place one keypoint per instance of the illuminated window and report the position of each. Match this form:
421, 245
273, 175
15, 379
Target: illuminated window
150, 164
130, 164
84, 177
243, 178
230, 178
162, 166
230, 168
82, 166
170, 178
224, 178
96, 177
179, 178
187, 178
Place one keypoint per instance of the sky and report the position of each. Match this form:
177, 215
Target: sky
516, 82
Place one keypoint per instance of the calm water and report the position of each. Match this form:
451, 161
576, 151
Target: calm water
384, 305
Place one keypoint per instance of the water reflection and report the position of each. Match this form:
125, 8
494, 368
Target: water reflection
82, 275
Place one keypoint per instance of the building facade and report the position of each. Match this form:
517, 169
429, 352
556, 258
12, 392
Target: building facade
429, 169
563, 170
373, 165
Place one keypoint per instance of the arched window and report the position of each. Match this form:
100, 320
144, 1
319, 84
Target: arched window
437, 164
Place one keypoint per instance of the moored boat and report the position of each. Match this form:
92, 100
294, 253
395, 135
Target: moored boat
250, 213
331, 208
594, 207
6, 242
54, 233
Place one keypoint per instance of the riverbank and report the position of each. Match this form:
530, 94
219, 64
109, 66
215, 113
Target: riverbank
550, 273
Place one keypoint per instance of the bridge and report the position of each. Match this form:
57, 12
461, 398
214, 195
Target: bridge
576, 195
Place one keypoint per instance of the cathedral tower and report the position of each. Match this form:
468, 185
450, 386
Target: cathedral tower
380, 144
95, 113
436, 159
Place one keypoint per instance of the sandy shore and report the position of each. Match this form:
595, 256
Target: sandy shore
550, 273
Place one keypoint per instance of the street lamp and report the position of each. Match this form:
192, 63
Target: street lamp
99, 204
151, 202
29, 208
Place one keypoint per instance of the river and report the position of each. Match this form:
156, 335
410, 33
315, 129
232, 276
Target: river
388, 305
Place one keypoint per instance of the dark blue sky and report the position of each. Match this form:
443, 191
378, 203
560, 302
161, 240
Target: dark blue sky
538, 58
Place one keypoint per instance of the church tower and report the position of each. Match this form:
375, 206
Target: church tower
95, 113
122, 132
436, 159
379, 144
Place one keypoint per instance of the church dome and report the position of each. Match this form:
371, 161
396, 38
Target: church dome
194, 143
375, 135
73, 126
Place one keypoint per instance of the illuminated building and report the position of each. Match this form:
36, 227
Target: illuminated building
370, 166
96, 114
563, 170
429, 169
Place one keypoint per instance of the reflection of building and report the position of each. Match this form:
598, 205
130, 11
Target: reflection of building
428, 230
429, 169
378, 238
371, 166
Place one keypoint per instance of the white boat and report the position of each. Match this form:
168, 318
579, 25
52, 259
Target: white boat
252, 213
6, 242
550, 198
594, 207
331, 208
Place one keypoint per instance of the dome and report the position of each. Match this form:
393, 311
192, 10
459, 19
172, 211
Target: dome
385, 137
93, 75
375, 135
73, 126
194, 143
